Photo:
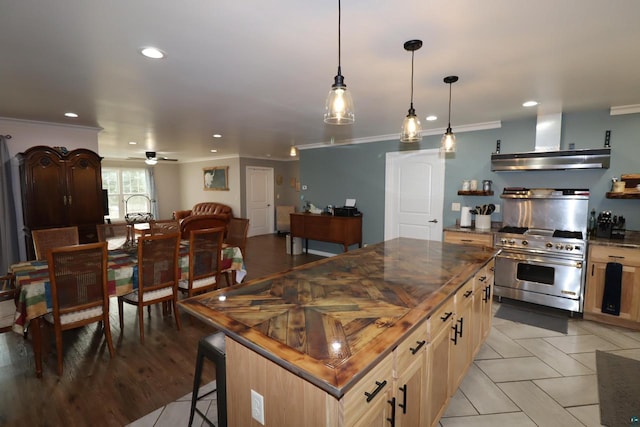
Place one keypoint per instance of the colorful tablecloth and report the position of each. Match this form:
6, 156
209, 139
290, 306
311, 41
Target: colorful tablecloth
32, 278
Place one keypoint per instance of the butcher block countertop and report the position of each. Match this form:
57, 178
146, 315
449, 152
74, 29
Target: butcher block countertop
331, 321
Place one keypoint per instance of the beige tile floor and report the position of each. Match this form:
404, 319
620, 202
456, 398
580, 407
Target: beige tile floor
523, 376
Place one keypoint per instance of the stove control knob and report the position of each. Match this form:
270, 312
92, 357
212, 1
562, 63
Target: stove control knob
549, 245
525, 243
569, 247
511, 241
503, 241
558, 246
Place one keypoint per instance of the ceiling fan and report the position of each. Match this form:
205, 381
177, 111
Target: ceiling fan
151, 158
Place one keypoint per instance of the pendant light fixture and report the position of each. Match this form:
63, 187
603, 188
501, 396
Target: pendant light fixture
411, 128
448, 144
293, 151
338, 109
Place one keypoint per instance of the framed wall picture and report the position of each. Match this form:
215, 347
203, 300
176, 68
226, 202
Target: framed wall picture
216, 178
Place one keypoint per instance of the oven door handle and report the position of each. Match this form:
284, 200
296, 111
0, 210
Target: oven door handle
541, 262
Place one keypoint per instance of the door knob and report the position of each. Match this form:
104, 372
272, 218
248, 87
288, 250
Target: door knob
435, 221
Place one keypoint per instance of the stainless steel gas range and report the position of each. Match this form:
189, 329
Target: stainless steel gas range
544, 247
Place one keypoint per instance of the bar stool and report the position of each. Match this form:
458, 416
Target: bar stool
213, 348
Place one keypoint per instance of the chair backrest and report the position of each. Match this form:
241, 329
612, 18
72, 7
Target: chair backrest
158, 262
78, 277
198, 222
8, 296
164, 226
48, 238
237, 233
116, 234
205, 257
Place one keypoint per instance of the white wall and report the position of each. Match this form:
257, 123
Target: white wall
192, 184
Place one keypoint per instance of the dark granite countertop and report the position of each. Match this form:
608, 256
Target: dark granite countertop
631, 240
331, 321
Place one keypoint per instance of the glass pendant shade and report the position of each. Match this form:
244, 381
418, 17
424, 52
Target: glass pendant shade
293, 152
338, 109
411, 128
448, 144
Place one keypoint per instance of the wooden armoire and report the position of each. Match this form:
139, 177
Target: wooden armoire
61, 189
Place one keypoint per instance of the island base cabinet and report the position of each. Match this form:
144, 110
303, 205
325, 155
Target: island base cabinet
438, 360
288, 399
462, 335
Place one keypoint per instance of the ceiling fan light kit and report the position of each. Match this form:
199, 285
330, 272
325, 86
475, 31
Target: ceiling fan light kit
338, 109
411, 127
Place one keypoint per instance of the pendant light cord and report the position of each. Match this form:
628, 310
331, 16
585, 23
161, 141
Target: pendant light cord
449, 127
339, 44
412, 52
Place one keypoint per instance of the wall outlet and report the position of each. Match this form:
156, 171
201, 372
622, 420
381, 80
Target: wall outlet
455, 207
257, 407
304, 187
497, 209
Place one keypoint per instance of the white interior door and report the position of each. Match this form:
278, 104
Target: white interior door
260, 210
414, 194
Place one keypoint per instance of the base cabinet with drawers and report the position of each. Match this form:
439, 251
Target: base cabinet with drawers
599, 257
411, 386
468, 238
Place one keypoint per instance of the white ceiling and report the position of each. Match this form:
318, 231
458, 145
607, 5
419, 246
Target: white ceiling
258, 72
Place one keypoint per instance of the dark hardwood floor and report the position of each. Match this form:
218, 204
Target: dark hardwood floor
99, 391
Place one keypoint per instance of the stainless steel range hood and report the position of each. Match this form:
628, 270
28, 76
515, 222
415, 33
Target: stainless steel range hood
547, 154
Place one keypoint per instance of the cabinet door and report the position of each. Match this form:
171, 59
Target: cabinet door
438, 357
410, 392
380, 413
487, 299
630, 292
84, 188
44, 191
462, 340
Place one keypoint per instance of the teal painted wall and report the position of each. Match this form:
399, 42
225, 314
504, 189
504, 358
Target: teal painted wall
336, 172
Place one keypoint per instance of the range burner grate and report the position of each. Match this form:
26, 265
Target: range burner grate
513, 230
568, 234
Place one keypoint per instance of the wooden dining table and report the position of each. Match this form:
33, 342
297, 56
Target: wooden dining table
32, 280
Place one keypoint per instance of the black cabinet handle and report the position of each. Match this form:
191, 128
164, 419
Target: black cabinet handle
455, 334
592, 267
418, 347
379, 386
446, 316
403, 405
468, 293
492, 269
461, 321
483, 278
392, 420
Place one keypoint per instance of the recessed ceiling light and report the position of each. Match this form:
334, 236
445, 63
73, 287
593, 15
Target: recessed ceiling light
214, 151
432, 118
217, 135
530, 104
153, 53
132, 143
71, 115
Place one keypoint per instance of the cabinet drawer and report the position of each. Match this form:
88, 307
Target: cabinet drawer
440, 319
410, 349
464, 294
378, 381
627, 256
468, 238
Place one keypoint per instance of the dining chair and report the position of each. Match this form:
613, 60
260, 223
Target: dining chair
116, 234
205, 261
157, 277
8, 297
237, 230
164, 226
79, 295
47, 238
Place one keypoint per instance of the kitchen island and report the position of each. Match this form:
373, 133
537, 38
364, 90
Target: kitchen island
330, 343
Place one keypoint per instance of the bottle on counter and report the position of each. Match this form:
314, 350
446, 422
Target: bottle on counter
592, 224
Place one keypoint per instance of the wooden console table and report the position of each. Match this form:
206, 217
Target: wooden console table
346, 230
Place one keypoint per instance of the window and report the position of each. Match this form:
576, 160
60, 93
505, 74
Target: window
127, 191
